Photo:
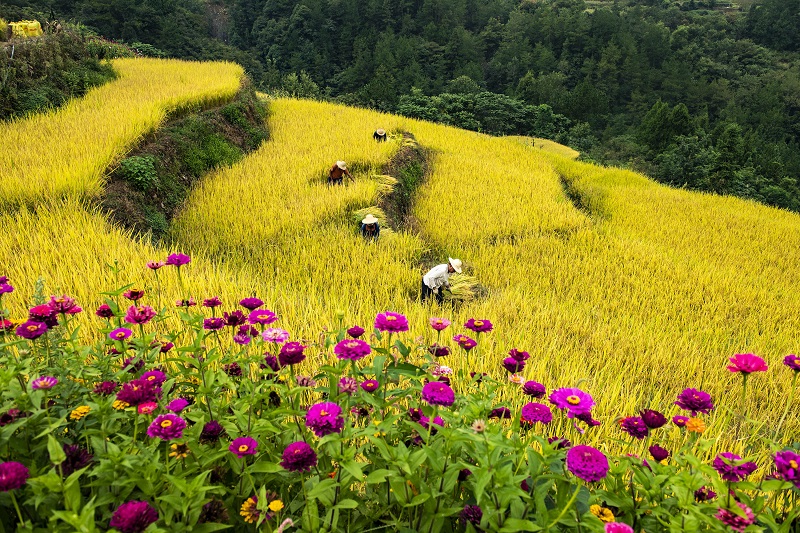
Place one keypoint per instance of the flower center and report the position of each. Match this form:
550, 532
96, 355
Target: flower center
439, 322
478, 323
150, 378
573, 400
390, 317
793, 464
60, 300
243, 448
323, 413
166, 423
352, 344
33, 328
797, 361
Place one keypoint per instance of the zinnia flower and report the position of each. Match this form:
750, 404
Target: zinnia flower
180, 450
735, 520
500, 412
465, 342
516, 379
139, 391
472, 514
792, 361
213, 323
559, 442
178, 260
731, 467
31, 330
513, 365
13, 475
235, 318
324, 418
603, 513
106, 388
391, 322
79, 412
348, 385
211, 433
355, 331
251, 303
352, 349
265, 317
177, 405
298, 457
185, 303
696, 401
291, 354
147, 408
233, 370
43, 313
243, 446
438, 393
438, 350
155, 265
133, 294
439, 324
519, 355
214, 511
104, 311
704, 494
635, 427
76, 459
167, 427
120, 334
747, 363
242, 340
479, 426
133, 517
653, 419
534, 389
139, 315
587, 463
5, 288
370, 385
156, 377
305, 381
680, 420
535, 412
617, 527
275, 335
575, 401
695, 425
62, 304
212, 302
658, 453
787, 465
44, 383
478, 326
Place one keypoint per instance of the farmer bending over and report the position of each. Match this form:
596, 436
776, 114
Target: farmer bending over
370, 229
437, 279
379, 135
337, 172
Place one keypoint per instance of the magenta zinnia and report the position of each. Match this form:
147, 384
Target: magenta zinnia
695, 400
120, 334
787, 465
438, 393
291, 353
478, 326
167, 427
391, 322
575, 401
213, 323
792, 361
265, 317
747, 363
251, 303
133, 517
587, 463
513, 365
178, 260
139, 315
534, 389
535, 412
355, 331
299, 457
635, 427
653, 419
44, 383
325, 418
737, 521
275, 335
731, 467
465, 342
352, 349
31, 330
13, 475
243, 446
617, 527
370, 385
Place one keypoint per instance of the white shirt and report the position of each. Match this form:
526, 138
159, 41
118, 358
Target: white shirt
436, 277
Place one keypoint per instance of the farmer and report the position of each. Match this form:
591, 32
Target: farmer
437, 279
337, 172
370, 229
379, 135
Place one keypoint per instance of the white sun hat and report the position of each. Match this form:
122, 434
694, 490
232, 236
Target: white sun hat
381, 131
342, 165
369, 219
456, 264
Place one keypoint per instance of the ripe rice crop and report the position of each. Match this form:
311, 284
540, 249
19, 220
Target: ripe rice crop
65, 152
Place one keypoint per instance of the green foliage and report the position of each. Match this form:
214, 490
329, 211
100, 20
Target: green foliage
140, 171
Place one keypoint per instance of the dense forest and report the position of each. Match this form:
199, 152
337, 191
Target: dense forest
690, 93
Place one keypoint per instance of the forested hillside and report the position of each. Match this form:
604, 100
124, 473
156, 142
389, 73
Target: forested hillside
694, 96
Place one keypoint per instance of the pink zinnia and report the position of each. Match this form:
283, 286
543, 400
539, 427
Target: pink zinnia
275, 335
438, 393
737, 521
747, 363
439, 324
391, 322
353, 349
155, 265
120, 334
465, 342
44, 383
617, 527
139, 315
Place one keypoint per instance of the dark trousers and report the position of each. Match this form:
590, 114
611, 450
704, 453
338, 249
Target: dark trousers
335, 181
427, 292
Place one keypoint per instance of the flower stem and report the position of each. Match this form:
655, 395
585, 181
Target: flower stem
788, 404
16, 506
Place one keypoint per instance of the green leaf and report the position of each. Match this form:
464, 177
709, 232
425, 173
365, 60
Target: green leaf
323, 490
419, 499
347, 504
57, 455
378, 476
513, 525
310, 518
264, 467
353, 469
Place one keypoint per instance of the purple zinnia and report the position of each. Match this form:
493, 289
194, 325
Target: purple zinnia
519, 355
251, 303
575, 401
500, 412
735, 520
472, 514
235, 318
325, 418
680, 420
167, 427
211, 433
535, 412
265, 317
133, 517
658, 453
139, 315
138, 391
731, 468
106, 388
587, 463
213, 323
31, 330
242, 340
212, 302
178, 260
391, 322
134, 363
792, 361
695, 400
465, 342
437, 350
370, 385
177, 405
704, 494
478, 326
243, 446
787, 465
653, 419
120, 334
513, 365
5, 288
275, 335
635, 427
299, 457
439, 324
104, 311
44, 383
233, 370
133, 294
13, 475
352, 349
156, 377
534, 389
438, 393
348, 385
291, 353
77, 458
355, 331
271, 362
560, 443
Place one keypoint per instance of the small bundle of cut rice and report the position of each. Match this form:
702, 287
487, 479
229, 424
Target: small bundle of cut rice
386, 184
463, 288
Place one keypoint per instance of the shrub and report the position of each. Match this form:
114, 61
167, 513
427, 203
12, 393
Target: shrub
140, 171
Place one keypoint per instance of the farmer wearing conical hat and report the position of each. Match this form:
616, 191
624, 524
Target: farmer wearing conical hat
370, 229
337, 172
379, 135
437, 279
